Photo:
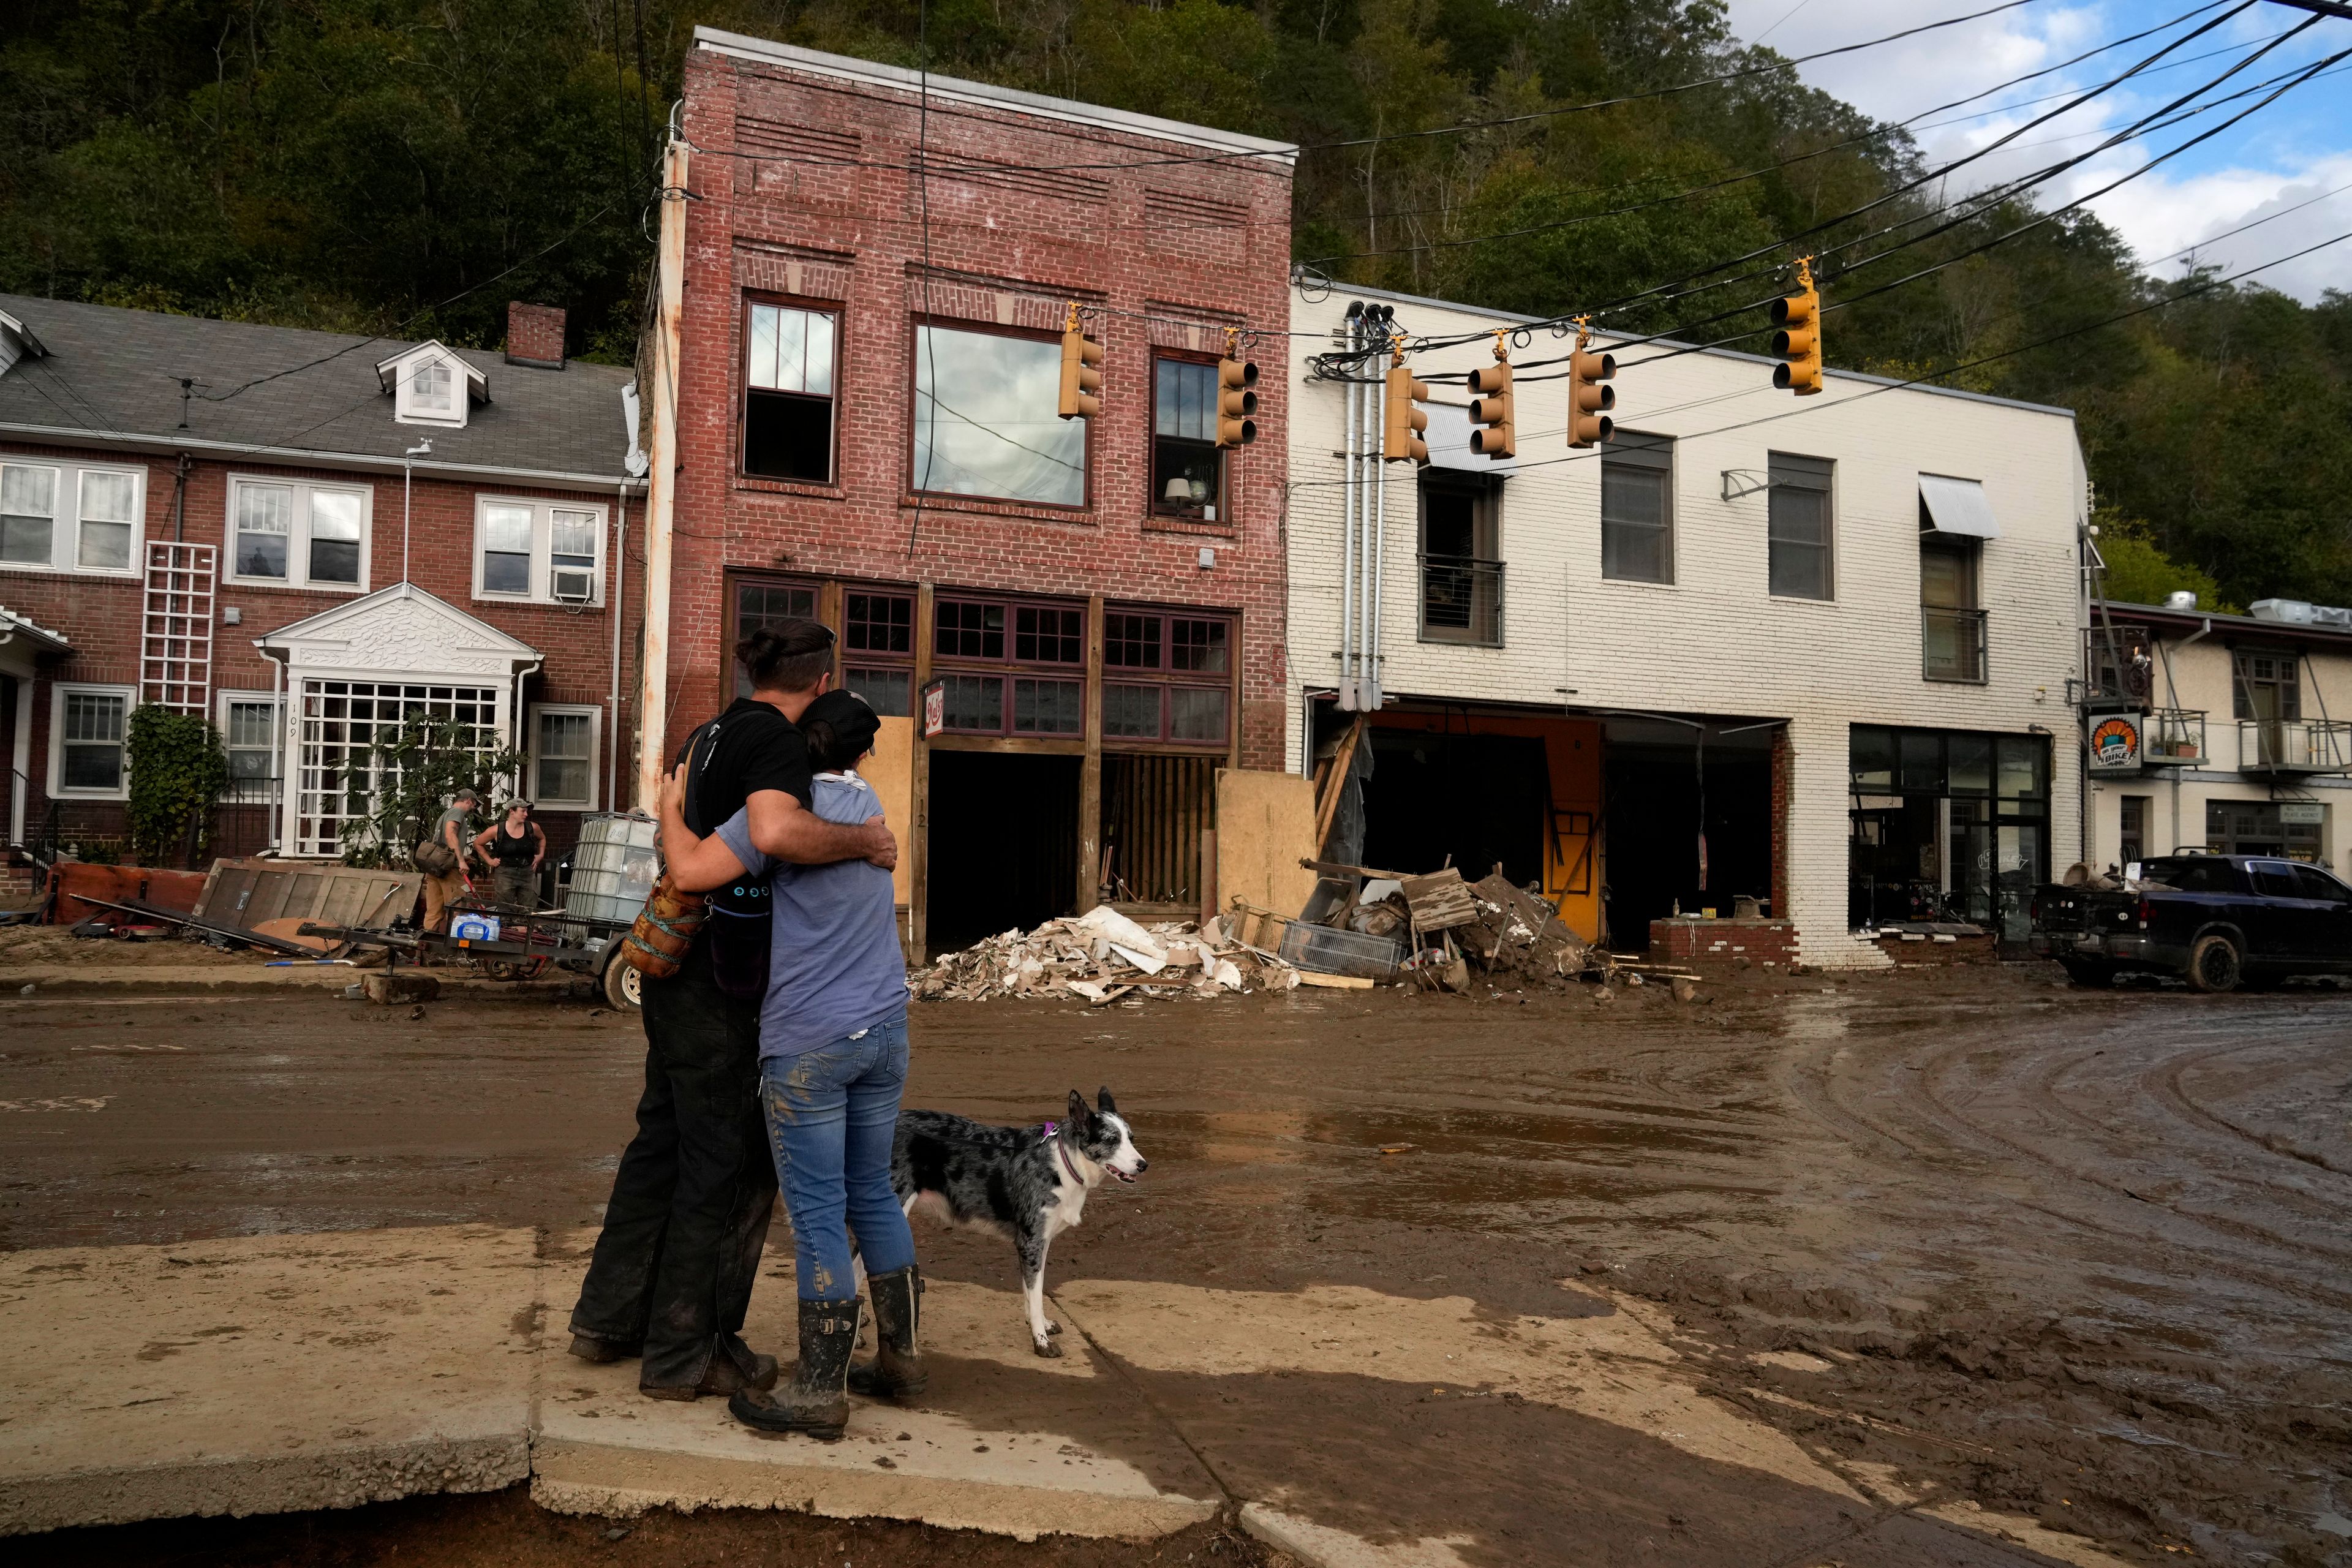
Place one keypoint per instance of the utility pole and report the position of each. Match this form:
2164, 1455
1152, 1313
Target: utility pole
661, 497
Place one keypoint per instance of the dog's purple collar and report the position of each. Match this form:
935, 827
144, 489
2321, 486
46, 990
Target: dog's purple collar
1052, 1128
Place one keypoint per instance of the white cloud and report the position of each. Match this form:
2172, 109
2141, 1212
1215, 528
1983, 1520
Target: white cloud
2270, 160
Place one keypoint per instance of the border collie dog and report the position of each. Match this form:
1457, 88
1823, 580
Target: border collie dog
1029, 1184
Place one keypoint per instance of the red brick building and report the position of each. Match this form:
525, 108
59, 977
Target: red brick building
879, 268
302, 535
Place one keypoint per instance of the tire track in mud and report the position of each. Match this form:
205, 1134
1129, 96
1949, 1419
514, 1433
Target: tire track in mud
2167, 1085
2258, 1254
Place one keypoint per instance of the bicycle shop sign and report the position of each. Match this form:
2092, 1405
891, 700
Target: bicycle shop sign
2113, 742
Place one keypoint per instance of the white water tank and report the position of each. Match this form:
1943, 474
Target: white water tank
2181, 599
2293, 612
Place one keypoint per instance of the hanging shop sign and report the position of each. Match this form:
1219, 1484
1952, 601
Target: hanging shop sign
2113, 742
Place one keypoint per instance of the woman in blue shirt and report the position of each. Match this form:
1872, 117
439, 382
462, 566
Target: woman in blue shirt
832, 1066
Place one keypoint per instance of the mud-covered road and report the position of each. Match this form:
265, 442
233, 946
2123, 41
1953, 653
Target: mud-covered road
2081, 1256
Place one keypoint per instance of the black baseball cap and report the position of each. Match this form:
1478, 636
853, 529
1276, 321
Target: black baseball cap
851, 723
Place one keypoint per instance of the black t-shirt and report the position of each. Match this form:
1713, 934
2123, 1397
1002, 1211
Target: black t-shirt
749, 748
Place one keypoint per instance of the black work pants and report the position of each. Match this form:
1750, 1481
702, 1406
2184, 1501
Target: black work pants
688, 1216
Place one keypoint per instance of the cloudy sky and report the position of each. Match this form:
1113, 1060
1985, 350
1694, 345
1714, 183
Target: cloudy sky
2277, 159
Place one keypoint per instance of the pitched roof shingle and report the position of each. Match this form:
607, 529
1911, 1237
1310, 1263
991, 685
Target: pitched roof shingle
115, 374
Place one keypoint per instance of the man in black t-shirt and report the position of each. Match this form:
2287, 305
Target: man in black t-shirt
673, 1265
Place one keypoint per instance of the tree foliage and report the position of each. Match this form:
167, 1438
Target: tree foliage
358, 162
413, 773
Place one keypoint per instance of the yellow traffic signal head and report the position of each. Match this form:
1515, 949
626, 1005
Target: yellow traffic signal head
1401, 439
1237, 403
1492, 409
1588, 400
1797, 339
1081, 375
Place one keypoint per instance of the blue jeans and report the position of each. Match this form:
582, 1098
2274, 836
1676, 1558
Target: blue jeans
832, 1113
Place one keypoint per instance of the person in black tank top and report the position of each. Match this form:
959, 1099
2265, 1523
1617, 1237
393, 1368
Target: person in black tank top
514, 846
672, 1274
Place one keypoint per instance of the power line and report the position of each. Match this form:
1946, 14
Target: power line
1464, 126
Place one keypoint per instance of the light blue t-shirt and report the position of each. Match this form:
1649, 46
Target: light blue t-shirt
834, 967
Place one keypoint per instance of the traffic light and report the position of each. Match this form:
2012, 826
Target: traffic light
1492, 408
1405, 422
1588, 400
1798, 340
1081, 371
1236, 400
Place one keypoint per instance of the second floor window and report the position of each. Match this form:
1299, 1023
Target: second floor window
1637, 508
986, 421
1461, 570
1951, 626
298, 536
1188, 466
788, 393
1800, 528
2268, 687
532, 549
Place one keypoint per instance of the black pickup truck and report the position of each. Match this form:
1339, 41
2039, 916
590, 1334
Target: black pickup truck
2217, 920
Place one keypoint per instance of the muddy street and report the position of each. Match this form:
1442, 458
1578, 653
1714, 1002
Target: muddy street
1962, 1240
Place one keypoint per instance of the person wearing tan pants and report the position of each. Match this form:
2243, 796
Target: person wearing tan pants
440, 892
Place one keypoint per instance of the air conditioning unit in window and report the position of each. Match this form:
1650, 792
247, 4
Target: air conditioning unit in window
573, 585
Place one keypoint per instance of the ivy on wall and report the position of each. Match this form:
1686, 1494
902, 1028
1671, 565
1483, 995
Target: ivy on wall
178, 771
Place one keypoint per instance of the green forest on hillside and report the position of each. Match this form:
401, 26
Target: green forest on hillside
353, 164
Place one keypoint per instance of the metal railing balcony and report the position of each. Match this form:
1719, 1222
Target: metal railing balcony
1952, 645
2294, 745
2173, 738
1461, 600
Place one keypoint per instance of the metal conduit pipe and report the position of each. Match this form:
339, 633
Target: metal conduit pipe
1377, 474
1348, 531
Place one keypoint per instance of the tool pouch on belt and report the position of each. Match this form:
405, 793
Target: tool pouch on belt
433, 857
665, 928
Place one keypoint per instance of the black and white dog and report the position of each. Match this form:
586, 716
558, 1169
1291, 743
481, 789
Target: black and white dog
1026, 1183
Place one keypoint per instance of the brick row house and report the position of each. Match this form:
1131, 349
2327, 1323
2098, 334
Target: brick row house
302, 535
879, 268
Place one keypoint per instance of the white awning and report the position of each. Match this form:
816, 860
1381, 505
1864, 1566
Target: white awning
1449, 442
1959, 506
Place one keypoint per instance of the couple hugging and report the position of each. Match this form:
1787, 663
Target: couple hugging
777, 1050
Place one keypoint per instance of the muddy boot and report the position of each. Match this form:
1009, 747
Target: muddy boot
817, 1400
897, 1370
588, 1347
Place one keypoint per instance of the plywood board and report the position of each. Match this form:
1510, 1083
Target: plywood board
1266, 826
891, 771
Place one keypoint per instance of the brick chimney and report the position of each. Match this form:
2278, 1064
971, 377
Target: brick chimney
535, 336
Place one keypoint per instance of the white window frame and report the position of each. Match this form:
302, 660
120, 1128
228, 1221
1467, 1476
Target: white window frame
58, 695
297, 535
537, 791
406, 410
65, 509
273, 700
542, 529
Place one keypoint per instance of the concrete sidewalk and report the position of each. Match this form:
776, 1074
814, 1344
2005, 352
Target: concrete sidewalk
274, 1373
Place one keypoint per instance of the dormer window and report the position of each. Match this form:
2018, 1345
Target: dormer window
432, 384
428, 387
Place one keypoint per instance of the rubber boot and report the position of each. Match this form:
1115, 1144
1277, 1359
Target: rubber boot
896, 1371
817, 1400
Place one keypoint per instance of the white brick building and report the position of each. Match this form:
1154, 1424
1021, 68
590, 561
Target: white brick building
1543, 712
2243, 735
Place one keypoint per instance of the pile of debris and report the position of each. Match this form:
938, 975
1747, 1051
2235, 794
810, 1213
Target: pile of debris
1101, 956
1360, 928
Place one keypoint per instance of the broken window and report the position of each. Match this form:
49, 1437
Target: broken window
788, 393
